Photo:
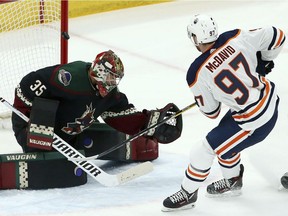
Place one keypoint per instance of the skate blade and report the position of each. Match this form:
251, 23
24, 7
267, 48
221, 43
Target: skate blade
227, 194
186, 207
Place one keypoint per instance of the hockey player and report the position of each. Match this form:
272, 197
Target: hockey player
67, 99
231, 70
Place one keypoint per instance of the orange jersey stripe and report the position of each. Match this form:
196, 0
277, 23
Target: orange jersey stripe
267, 90
280, 39
196, 174
229, 161
244, 133
212, 116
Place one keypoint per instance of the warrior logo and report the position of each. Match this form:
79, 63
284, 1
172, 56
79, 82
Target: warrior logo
81, 123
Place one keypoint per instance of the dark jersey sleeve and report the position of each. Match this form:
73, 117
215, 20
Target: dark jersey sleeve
124, 117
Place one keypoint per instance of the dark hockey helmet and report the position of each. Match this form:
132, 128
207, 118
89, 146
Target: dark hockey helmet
107, 70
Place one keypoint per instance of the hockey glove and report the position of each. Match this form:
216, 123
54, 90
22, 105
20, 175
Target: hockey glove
168, 131
263, 67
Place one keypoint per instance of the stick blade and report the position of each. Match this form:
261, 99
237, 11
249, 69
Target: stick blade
135, 172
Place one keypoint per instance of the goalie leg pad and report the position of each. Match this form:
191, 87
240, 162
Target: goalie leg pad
99, 137
143, 149
39, 171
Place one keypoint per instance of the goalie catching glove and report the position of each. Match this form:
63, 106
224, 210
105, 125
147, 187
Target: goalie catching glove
171, 129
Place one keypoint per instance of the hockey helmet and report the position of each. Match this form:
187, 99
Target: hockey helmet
202, 29
107, 70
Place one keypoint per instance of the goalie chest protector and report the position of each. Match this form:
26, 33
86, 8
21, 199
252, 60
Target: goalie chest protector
41, 170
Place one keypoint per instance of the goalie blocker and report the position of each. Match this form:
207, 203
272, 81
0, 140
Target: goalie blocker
42, 121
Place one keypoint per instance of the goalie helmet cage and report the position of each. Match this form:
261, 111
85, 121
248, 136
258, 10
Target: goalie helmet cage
33, 34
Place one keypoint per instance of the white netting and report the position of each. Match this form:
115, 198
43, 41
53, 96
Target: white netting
29, 40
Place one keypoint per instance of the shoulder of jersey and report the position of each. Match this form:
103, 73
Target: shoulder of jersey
64, 74
196, 66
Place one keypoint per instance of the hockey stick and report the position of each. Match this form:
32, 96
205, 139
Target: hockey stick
134, 136
91, 169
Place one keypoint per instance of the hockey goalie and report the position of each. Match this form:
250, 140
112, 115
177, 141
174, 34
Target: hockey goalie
68, 100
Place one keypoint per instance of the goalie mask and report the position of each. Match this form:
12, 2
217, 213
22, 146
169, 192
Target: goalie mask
107, 71
202, 29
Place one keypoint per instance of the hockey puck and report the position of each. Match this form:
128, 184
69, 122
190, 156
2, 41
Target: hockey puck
65, 35
284, 180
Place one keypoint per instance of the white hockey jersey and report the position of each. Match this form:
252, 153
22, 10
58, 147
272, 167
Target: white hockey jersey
226, 74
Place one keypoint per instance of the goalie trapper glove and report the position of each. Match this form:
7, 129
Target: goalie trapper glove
170, 130
263, 67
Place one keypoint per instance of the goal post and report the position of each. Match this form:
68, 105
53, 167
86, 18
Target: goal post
64, 31
33, 34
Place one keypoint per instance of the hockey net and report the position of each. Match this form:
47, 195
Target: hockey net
30, 38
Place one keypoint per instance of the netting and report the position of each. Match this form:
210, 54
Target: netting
29, 39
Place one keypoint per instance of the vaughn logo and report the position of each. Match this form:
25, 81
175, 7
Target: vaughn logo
81, 123
21, 157
39, 142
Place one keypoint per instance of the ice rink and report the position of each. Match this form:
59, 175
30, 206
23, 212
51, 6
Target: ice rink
153, 45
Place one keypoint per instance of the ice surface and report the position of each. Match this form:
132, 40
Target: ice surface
156, 52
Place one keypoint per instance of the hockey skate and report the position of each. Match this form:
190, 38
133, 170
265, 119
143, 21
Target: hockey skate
284, 182
226, 187
180, 200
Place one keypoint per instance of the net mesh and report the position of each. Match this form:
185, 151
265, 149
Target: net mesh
29, 39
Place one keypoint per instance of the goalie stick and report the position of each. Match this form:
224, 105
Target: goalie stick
91, 169
134, 136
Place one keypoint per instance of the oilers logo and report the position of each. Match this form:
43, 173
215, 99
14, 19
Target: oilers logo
64, 77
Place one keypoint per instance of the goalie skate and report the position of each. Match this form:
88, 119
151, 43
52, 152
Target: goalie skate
226, 187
